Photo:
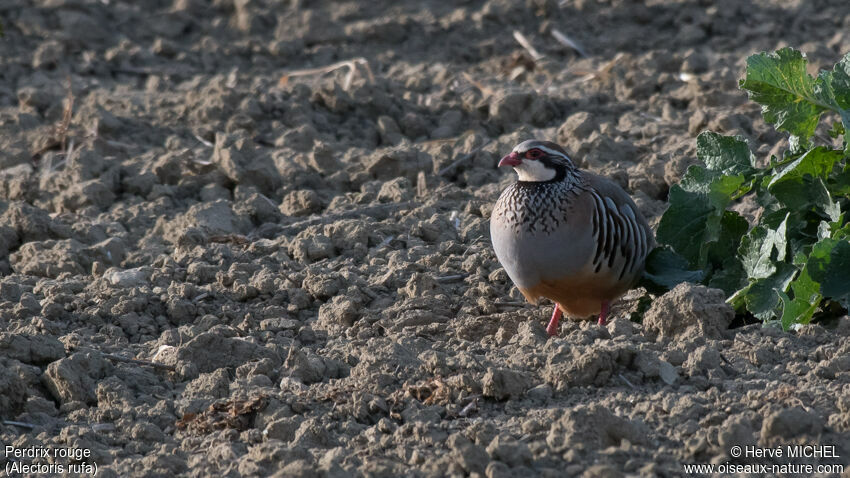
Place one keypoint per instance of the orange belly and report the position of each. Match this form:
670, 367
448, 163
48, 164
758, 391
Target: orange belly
578, 297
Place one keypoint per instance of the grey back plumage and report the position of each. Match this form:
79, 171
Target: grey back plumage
622, 237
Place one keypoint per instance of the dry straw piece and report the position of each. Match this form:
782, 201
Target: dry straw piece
352, 65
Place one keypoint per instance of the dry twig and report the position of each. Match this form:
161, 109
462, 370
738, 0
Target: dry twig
230, 239
430, 392
509, 303
351, 64
59, 132
568, 42
18, 424
236, 413
523, 41
470, 407
484, 89
451, 278
204, 142
351, 214
465, 157
147, 363
604, 70
421, 184
630, 384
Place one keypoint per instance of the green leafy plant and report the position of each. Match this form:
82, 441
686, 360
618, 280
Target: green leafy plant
795, 259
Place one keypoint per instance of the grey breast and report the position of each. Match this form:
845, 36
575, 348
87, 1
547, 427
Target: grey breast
537, 234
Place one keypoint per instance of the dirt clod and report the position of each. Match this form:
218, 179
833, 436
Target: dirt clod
251, 238
689, 311
593, 427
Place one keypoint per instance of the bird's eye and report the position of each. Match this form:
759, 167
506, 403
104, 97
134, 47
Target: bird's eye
533, 154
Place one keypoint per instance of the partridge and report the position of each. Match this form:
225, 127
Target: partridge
568, 235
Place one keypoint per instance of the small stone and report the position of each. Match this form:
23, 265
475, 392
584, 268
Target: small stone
503, 384
695, 62
519, 107
282, 429
697, 122
164, 48
789, 423
578, 125
323, 159
395, 190
703, 359
413, 125
98, 268
215, 384
509, 451
301, 203
312, 248
244, 163
311, 368
212, 219
667, 372
31, 349
126, 279
300, 138
602, 471
339, 311
48, 54
736, 430
419, 285
94, 192
389, 131
470, 456
448, 125
595, 427
73, 378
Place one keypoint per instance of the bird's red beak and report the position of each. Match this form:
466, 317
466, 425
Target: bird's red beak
512, 159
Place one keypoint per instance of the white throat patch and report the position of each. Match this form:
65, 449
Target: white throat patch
534, 171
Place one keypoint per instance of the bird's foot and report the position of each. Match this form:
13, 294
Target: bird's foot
603, 315
552, 328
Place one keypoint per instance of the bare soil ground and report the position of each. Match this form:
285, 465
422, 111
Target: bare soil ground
308, 255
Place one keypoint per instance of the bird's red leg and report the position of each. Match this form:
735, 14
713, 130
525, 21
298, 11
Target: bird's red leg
604, 314
552, 328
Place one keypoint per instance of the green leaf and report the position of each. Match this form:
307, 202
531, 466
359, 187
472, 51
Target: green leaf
665, 269
818, 163
824, 201
829, 265
796, 311
732, 227
833, 88
804, 194
719, 187
842, 232
724, 154
729, 277
839, 184
798, 253
684, 225
823, 231
780, 84
805, 288
756, 250
762, 298
698, 179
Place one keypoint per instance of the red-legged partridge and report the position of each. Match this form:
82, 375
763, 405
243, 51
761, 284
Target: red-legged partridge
566, 234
